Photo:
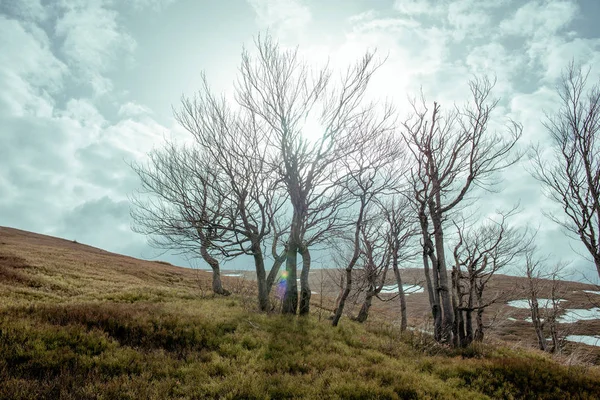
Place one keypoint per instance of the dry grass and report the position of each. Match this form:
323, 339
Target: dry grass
80, 323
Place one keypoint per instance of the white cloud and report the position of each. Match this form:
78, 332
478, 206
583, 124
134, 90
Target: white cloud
29, 72
461, 18
284, 18
583, 51
156, 5
540, 18
417, 7
131, 109
93, 41
73, 143
26, 9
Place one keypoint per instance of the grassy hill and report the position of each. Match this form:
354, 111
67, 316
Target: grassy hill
78, 322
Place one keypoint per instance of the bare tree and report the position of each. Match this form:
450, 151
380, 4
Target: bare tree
401, 230
453, 153
478, 254
218, 196
236, 146
180, 207
571, 174
281, 91
375, 261
372, 172
545, 316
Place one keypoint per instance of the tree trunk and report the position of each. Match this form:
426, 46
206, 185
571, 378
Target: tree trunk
261, 279
275, 270
458, 327
440, 269
556, 348
469, 314
467, 319
537, 324
340, 308
403, 318
431, 286
479, 317
444, 292
363, 314
217, 286
462, 338
290, 298
305, 292
442, 274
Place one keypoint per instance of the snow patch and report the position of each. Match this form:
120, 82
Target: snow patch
235, 275
593, 292
524, 303
408, 289
582, 314
585, 339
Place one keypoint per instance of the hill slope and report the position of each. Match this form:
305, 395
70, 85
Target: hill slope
78, 322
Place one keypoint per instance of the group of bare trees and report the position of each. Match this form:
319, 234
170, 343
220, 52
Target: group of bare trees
255, 182
478, 254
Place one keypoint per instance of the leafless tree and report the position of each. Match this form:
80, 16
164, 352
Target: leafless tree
180, 208
401, 231
545, 316
478, 254
372, 172
453, 152
218, 195
375, 261
236, 146
571, 173
280, 91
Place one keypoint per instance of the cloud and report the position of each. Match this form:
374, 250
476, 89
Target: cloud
92, 41
29, 71
284, 18
540, 18
63, 161
155, 5
24, 9
415, 8
461, 19
131, 109
71, 120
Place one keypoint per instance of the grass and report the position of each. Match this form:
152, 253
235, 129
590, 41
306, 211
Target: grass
128, 329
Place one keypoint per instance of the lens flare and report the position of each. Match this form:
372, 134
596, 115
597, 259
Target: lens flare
282, 284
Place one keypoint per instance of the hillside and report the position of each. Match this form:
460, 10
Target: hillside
77, 322
507, 318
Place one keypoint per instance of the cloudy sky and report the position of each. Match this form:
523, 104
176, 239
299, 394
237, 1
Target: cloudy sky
87, 86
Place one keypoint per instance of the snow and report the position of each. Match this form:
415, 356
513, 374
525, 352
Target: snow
235, 275
408, 289
512, 319
579, 314
592, 291
586, 339
524, 303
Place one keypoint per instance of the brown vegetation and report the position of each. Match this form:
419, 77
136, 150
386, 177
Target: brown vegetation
78, 322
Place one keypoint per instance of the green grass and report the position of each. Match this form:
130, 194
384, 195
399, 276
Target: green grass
75, 324
215, 348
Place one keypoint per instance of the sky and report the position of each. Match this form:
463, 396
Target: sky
88, 86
